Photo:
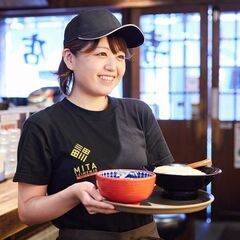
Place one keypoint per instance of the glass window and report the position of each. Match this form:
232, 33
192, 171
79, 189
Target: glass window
162, 92
227, 53
193, 26
148, 80
226, 80
238, 108
229, 79
170, 57
226, 107
162, 20
192, 47
238, 50
177, 79
162, 54
238, 25
177, 26
192, 106
192, 79
147, 58
147, 25
227, 28
151, 99
229, 71
177, 53
177, 106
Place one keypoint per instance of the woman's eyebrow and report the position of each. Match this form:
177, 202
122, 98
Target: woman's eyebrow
107, 48
103, 47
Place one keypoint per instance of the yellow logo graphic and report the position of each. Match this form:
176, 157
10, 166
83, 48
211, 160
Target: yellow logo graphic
80, 152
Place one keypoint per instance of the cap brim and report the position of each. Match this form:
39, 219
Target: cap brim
129, 32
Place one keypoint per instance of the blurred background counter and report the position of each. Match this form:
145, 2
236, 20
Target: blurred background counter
10, 226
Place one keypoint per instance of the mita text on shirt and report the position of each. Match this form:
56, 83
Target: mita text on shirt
85, 169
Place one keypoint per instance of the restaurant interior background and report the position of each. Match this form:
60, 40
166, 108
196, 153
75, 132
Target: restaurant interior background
188, 71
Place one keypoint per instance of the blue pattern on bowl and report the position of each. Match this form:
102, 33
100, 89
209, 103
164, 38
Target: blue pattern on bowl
126, 174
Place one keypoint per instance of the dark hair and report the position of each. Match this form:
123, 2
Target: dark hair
65, 75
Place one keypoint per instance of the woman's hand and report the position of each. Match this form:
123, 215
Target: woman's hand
90, 197
35, 206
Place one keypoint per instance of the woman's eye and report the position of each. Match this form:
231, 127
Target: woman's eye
121, 57
102, 54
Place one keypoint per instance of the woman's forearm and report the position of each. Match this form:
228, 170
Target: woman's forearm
39, 209
36, 207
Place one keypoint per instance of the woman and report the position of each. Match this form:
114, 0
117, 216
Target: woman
63, 146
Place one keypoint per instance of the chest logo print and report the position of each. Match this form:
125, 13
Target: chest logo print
80, 152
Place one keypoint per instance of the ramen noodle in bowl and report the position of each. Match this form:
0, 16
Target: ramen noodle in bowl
179, 170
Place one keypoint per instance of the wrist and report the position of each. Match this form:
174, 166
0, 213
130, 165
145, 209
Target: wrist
73, 192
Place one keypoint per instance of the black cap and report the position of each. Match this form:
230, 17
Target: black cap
98, 23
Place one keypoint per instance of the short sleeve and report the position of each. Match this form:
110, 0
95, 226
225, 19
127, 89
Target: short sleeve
157, 149
34, 162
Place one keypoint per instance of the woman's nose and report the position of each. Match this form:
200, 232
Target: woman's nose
111, 64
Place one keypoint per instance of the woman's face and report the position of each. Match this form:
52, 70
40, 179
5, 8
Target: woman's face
97, 72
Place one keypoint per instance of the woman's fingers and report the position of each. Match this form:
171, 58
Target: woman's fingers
95, 206
95, 194
93, 200
95, 210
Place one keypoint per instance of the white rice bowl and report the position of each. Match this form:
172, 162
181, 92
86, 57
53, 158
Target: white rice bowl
178, 170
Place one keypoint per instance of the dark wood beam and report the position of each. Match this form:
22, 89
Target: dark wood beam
131, 3
22, 3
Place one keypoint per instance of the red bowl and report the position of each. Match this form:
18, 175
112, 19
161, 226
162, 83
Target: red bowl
125, 185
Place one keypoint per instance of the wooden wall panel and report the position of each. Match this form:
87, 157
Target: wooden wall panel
225, 186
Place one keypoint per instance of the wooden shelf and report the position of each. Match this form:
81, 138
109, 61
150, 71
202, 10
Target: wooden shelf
9, 221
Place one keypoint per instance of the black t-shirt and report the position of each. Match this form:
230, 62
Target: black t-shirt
64, 144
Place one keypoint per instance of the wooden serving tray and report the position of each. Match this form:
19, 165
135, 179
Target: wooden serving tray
156, 204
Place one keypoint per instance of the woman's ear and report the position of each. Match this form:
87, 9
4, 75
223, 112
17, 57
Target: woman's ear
68, 58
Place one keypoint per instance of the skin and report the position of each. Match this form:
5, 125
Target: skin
96, 74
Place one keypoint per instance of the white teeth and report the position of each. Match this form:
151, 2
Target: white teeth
107, 78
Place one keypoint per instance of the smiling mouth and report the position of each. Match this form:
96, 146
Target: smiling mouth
107, 78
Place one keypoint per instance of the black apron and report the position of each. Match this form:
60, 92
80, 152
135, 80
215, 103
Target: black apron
146, 232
